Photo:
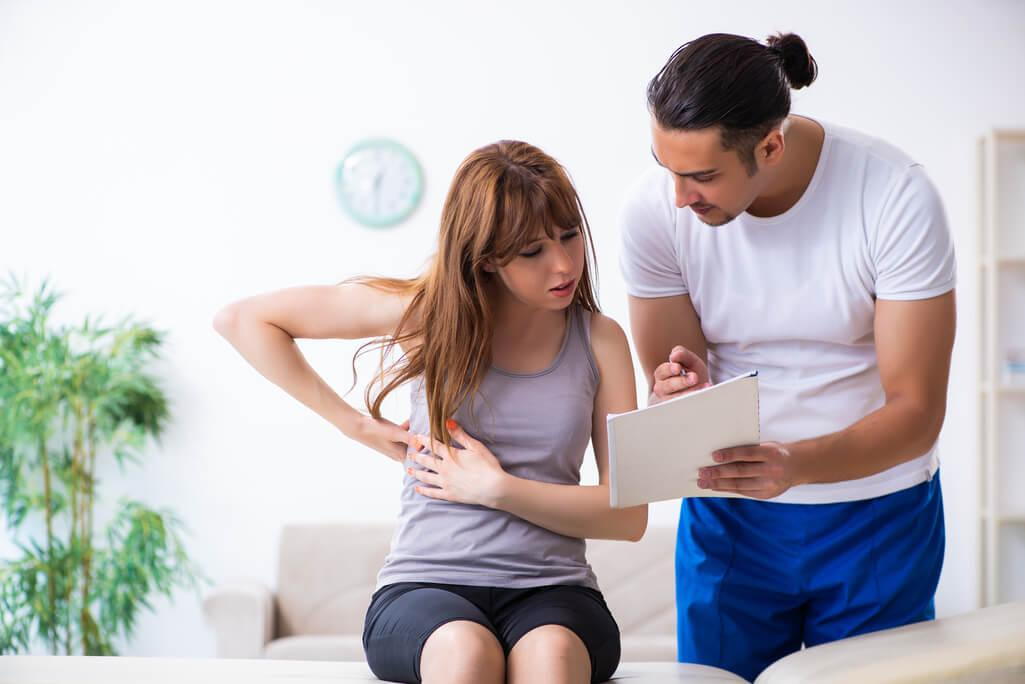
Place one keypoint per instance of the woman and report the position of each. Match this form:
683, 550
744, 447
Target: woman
513, 370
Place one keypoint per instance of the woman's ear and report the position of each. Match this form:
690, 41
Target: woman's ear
489, 267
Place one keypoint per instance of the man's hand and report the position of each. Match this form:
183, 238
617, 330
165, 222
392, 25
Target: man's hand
763, 471
684, 372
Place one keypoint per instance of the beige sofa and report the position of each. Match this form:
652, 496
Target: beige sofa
326, 575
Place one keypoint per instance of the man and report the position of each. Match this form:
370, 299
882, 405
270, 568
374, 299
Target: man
820, 257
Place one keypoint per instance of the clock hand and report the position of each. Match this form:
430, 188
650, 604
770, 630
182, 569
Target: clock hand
377, 190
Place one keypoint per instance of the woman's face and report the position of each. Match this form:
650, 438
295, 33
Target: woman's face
546, 272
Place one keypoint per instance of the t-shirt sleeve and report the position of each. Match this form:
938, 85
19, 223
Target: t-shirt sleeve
648, 256
913, 251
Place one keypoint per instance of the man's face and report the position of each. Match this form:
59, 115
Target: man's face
713, 182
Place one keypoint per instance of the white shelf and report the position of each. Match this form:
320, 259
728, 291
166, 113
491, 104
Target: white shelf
1003, 262
1004, 518
1001, 269
1006, 390
1011, 519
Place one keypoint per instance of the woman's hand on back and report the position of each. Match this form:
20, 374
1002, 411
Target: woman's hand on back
384, 436
470, 475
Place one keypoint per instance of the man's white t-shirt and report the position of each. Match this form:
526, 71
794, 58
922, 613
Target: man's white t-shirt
793, 296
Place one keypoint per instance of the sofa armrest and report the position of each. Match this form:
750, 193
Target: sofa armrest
241, 613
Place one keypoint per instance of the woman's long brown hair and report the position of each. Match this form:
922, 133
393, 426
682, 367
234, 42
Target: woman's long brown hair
503, 196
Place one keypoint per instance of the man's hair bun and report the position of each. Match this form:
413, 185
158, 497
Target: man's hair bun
798, 65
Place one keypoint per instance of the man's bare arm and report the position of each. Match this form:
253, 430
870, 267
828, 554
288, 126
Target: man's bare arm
914, 340
668, 337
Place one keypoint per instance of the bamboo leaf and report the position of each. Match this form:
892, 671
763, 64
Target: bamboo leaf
70, 395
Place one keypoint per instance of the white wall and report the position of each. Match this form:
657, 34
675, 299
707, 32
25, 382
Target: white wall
166, 158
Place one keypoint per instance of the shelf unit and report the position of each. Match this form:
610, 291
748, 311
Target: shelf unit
1002, 337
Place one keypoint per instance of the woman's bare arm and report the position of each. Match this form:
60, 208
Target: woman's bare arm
263, 329
584, 511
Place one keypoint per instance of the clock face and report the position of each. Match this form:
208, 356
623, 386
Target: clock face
379, 182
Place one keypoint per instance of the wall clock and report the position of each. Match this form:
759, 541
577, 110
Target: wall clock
379, 182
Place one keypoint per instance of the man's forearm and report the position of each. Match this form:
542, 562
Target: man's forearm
893, 434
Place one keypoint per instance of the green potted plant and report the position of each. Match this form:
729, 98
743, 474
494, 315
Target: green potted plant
70, 398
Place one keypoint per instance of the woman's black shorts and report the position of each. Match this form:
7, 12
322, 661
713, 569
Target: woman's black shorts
402, 616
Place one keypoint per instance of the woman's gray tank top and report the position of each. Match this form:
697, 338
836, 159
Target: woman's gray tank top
537, 425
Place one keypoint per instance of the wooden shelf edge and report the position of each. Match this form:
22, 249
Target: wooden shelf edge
987, 261
1004, 519
1012, 390
1008, 134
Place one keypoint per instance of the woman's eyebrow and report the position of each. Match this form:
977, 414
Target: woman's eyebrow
542, 238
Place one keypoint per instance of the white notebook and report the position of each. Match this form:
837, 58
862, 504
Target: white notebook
655, 452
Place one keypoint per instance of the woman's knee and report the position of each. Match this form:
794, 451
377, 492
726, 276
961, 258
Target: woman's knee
551, 641
463, 645
549, 653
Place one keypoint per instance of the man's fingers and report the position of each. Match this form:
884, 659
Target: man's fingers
690, 361
743, 485
742, 453
673, 385
685, 357
732, 470
666, 371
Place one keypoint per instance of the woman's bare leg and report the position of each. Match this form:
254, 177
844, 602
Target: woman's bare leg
550, 653
462, 652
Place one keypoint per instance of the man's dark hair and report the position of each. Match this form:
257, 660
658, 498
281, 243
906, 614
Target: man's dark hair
732, 82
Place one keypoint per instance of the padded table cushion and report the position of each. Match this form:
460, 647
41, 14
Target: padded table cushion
112, 670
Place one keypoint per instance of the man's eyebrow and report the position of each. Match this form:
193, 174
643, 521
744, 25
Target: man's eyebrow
689, 174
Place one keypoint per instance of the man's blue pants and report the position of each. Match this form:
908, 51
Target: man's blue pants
756, 579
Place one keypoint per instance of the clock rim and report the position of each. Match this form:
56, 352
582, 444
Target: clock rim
402, 150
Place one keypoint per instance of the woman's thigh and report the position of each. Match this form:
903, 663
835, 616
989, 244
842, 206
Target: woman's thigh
400, 620
581, 610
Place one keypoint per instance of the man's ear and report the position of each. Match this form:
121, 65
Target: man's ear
770, 150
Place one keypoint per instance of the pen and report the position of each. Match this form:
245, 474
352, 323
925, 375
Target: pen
683, 374
683, 369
